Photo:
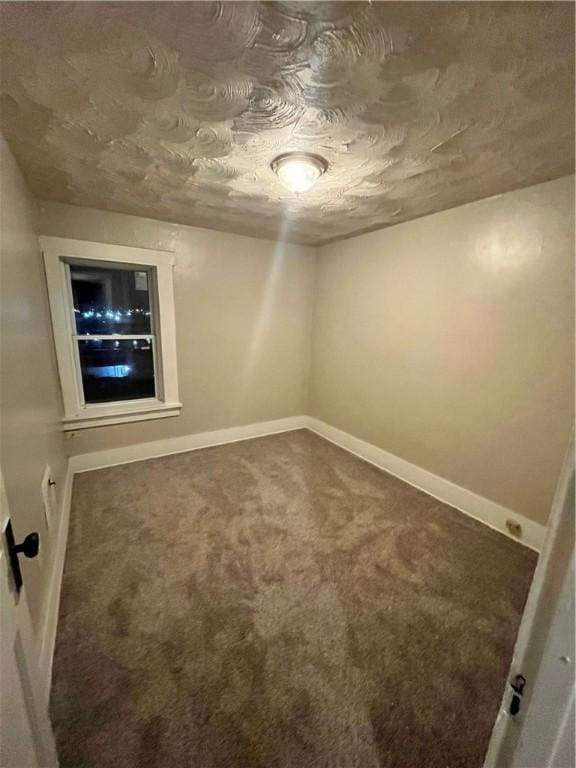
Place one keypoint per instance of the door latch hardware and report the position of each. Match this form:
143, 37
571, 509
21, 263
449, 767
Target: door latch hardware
517, 684
28, 547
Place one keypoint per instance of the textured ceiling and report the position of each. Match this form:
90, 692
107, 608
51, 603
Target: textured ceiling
175, 110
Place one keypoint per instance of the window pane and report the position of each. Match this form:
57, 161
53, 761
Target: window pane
117, 370
110, 300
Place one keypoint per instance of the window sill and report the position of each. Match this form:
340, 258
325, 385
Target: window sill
103, 416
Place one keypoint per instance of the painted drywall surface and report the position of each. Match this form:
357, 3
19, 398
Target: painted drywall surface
30, 402
243, 323
449, 341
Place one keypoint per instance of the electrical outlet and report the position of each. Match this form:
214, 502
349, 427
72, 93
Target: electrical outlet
514, 528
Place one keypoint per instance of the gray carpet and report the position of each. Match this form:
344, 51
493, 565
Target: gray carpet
278, 603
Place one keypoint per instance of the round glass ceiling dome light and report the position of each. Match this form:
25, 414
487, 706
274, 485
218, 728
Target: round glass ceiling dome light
299, 171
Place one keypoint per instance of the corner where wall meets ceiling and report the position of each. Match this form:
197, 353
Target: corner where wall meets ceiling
175, 111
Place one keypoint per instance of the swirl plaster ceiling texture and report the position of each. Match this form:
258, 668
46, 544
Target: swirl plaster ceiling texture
175, 110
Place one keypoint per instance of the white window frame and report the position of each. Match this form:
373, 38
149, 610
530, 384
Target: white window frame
58, 254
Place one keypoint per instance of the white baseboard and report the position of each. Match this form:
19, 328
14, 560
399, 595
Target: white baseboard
50, 618
482, 509
478, 507
98, 460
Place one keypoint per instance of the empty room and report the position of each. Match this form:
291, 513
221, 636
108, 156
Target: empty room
287, 384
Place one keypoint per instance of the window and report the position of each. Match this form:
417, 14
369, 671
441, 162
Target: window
113, 318
114, 332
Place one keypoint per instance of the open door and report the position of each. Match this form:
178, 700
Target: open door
26, 739
535, 725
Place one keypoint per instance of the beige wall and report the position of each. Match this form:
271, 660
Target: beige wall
243, 323
30, 407
449, 341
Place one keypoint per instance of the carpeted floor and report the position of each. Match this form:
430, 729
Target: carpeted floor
278, 603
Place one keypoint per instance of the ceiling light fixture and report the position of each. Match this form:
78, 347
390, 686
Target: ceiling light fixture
299, 171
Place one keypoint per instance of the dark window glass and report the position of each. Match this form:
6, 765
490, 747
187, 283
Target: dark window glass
117, 370
110, 300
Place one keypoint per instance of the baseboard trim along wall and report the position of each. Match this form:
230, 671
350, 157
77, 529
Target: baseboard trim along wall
478, 507
482, 509
51, 610
88, 461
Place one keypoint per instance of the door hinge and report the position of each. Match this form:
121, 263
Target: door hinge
518, 683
